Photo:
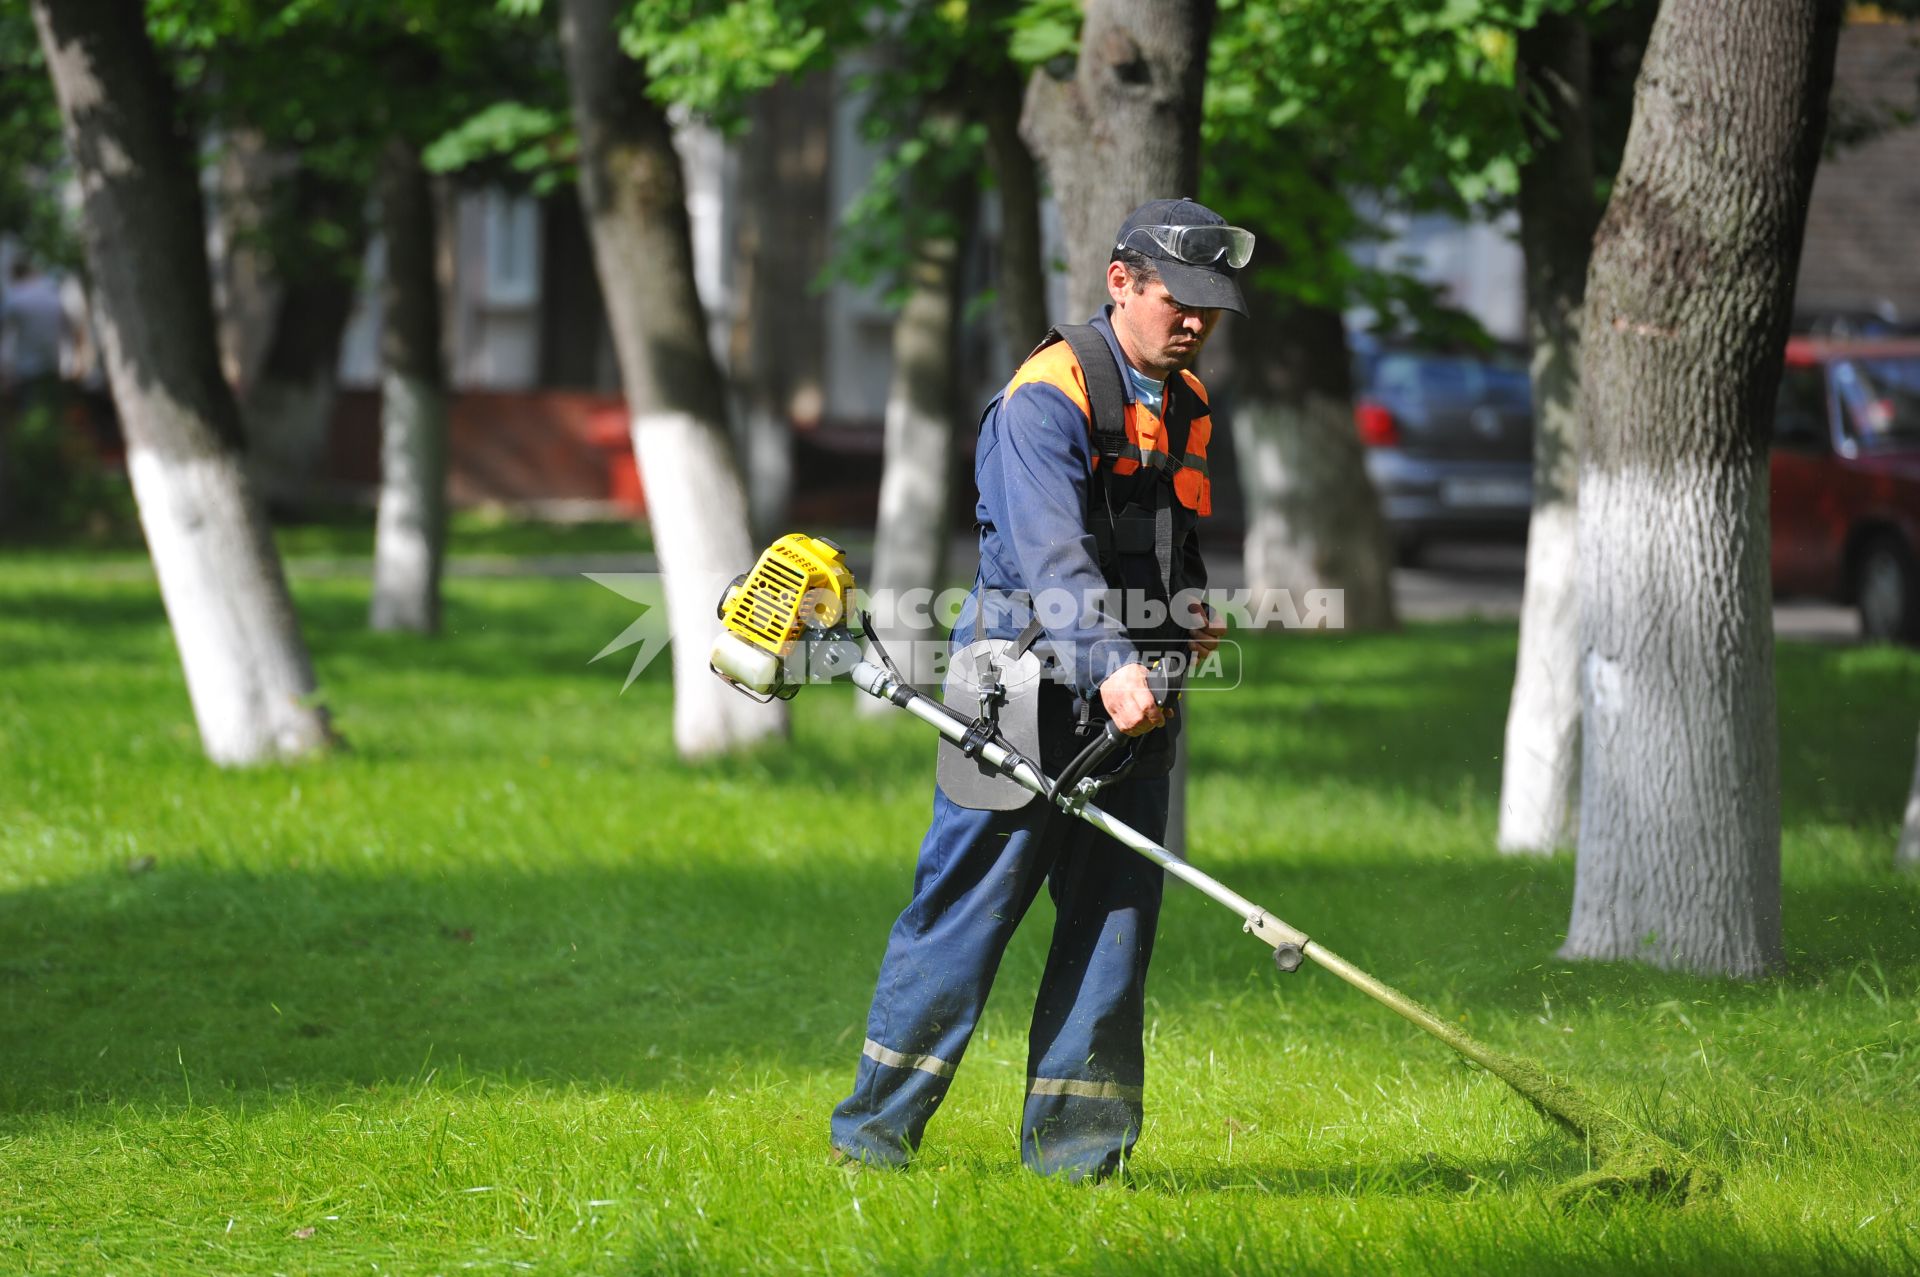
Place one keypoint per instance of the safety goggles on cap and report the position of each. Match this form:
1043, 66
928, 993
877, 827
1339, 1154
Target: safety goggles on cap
1199, 245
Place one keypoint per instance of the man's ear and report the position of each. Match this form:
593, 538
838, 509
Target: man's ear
1118, 281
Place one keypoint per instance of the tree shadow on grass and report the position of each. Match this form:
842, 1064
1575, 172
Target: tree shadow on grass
491, 628
671, 972
69, 627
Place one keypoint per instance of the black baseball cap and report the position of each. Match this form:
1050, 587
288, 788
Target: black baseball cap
1205, 279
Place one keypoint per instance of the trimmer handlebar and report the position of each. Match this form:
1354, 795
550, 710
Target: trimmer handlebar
1166, 688
886, 684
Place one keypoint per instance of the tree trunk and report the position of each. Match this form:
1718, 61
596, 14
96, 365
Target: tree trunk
634, 196
1022, 281
1907, 856
574, 343
1688, 301
1557, 213
778, 356
289, 407
410, 531
247, 671
1313, 517
247, 289
916, 485
1125, 129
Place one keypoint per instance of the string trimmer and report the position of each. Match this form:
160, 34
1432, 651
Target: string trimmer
785, 624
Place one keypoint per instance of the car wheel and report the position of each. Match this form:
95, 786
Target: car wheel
1887, 589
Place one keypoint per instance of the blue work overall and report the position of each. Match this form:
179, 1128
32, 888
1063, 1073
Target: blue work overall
979, 871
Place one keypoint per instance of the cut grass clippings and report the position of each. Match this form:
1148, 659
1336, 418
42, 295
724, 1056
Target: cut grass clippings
505, 985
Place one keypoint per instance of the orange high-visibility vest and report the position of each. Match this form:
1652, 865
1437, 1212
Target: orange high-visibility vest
1056, 366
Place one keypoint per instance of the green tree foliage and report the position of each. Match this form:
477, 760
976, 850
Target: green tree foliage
334, 81
938, 62
331, 81
925, 123
339, 79
32, 157
1312, 103
704, 57
710, 56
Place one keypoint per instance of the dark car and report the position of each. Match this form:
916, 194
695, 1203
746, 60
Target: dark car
1846, 479
1449, 441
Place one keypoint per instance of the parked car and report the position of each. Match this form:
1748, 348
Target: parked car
1449, 441
1846, 479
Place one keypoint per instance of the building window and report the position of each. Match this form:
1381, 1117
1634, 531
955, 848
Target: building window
513, 249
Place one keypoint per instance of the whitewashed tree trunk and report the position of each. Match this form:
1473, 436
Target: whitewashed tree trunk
1313, 516
1907, 855
1540, 764
766, 450
1688, 301
247, 671
634, 196
410, 530
410, 526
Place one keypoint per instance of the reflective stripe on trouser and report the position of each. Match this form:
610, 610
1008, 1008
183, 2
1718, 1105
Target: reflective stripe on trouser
978, 873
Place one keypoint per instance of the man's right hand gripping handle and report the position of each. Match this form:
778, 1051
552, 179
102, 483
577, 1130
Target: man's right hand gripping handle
1130, 701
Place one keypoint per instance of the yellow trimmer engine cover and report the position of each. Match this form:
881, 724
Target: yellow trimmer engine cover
800, 584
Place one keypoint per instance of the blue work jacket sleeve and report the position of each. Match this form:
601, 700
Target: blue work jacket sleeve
1042, 458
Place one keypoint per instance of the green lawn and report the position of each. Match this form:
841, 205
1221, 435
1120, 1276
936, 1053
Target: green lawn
506, 987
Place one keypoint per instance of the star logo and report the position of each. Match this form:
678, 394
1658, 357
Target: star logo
648, 630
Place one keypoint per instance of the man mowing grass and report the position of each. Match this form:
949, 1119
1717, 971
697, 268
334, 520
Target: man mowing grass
1092, 474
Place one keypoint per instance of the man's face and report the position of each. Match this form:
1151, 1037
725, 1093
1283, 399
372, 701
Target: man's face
1159, 335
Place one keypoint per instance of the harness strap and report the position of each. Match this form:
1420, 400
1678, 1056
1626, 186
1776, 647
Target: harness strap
1026, 640
1163, 505
1105, 395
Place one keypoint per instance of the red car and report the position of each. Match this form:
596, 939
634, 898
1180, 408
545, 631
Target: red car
1846, 479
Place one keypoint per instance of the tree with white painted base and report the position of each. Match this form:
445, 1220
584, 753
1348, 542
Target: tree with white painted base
1541, 762
1688, 301
247, 671
634, 196
410, 529
1313, 515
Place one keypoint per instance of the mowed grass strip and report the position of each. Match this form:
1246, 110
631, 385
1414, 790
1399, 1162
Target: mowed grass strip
506, 986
